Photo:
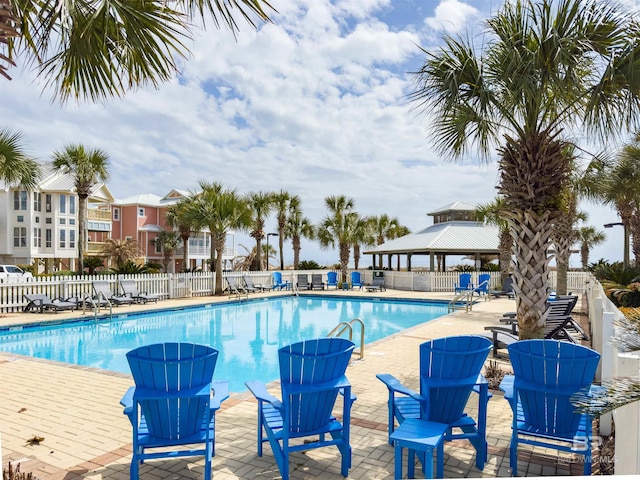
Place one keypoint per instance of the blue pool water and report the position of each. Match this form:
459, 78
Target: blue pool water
247, 334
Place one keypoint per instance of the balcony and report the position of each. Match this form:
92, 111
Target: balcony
95, 214
95, 248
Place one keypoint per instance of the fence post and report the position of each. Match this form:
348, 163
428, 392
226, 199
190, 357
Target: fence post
627, 423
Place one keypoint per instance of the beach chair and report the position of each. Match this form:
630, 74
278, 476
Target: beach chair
483, 284
173, 403
464, 283
332, 280
252, 287
102, 291
377, 284
507, 289
356, 280
276, 281
547, 373
130, 289
234, 288
40, 302
312, 374
303, 282
316, 281
449, 372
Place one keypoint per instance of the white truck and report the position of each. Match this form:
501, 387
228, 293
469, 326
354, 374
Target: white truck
14, 274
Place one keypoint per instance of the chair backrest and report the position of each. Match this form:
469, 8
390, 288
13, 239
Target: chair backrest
163, 369
449, 369
248, 281
303, 279
483, 281
355, 278
232, 282
547, 373
102, 288
312, 363
377, 281
561, 307
34, 297
276, 278
464, 279
332, 278
129, 287
316, 278
507, 286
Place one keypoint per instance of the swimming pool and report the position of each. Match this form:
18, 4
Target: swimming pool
247, 334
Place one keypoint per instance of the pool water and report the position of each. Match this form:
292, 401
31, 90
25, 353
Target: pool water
247, 334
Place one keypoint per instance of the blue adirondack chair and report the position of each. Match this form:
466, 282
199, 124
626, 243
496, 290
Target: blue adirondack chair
276, 280
312, 373
464, 283
483, 284
547, 373
449, 371
332, 280
172, 402
356, 280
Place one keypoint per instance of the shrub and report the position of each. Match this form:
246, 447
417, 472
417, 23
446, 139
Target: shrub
11, 474
616, 273
308, 265
464, 268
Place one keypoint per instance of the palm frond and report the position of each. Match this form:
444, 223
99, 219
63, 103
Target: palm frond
612, 394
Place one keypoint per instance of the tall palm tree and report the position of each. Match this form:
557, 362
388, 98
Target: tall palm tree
297, 227
588, 237
221, 210
15, 166
93, 50
362, 235
543, 67
281, 202
121, 251
384, 228
261, 204
179, 216
168, 242
492, 213
88, 167
338, 228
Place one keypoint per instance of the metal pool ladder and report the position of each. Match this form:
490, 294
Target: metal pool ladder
343, 327
462, 301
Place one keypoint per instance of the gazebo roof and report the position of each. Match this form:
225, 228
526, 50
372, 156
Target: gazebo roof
457, 206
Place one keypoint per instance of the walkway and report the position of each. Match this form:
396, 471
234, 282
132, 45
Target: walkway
76, 412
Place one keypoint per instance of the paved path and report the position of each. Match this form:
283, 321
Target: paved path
76, 410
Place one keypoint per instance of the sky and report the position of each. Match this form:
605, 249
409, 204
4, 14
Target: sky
314, 103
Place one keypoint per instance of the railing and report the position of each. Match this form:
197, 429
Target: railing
96, 214
95, 247
343, 327
462, 301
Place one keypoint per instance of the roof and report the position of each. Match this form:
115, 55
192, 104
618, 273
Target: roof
455, 206
447, 237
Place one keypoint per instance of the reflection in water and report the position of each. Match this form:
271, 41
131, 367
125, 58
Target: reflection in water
247, 334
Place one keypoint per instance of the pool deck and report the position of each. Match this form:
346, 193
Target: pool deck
76, 412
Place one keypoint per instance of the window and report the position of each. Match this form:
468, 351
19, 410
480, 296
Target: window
20, 218
72, 239
116, 214
37, 201
47, 202
72, 221
128, 237
37, 219
158, 247
63, 204
20, 200
63, 238
37, 237
48, 220
141, 212
63, 221
19, 236
72, 204
47, 241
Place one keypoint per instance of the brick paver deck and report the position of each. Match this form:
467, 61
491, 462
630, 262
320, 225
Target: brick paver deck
85, 435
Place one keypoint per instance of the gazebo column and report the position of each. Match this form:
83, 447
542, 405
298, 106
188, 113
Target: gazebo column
389, 260
408, 262
432, 262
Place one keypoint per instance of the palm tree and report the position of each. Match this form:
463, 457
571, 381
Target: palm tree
544, 67
492, 213
15, 166
121, 251
384, 228
261, 203
221, 210
297, 227
178, 216
88, 167
95, 50
281, 202
339, 228
588, 237
362, 235
168, 242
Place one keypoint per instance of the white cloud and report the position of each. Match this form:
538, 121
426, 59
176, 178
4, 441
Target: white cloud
451, 16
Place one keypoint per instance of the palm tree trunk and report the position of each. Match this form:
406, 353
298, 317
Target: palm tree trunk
281, 245
532, 239
505, 247
634, 224
185, 252
344, 260
82, 215
356, 256
296, 252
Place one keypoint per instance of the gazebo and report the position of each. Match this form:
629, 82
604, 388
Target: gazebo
455, 231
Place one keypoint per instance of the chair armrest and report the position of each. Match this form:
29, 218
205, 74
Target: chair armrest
352, 397
141, 394
127, 401
506, 385
259, 390
394, 385
220, 393
298, 388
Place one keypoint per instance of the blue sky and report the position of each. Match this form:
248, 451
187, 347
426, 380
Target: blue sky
313, 103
